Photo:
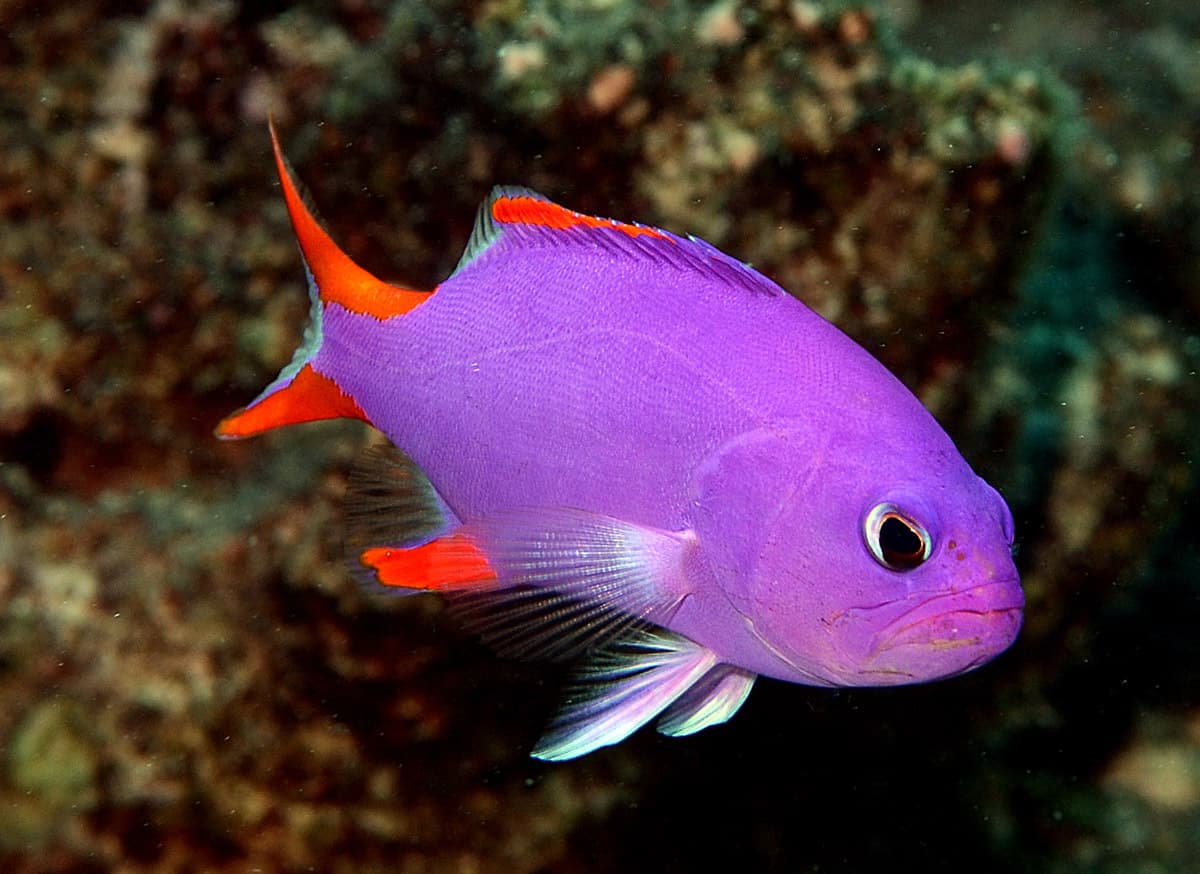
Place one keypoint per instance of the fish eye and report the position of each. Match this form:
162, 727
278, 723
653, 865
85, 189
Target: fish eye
898, 541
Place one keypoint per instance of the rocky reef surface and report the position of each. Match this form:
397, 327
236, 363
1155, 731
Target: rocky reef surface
191, 681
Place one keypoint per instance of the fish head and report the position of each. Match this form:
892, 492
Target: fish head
889, 580
871, 567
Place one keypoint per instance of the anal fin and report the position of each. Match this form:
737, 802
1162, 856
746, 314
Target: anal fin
392, 506
441, 565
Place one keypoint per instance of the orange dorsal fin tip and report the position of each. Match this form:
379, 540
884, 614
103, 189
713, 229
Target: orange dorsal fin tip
338, 279
450, 563
534, 210
309, 397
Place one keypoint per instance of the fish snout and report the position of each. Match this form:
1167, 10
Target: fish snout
951, 633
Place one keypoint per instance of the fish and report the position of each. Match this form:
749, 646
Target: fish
615, 445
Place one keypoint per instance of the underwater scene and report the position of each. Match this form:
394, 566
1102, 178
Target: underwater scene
791, 462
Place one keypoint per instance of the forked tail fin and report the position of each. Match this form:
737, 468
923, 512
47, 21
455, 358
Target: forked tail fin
301, 393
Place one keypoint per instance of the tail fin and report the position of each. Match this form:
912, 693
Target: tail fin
301, 393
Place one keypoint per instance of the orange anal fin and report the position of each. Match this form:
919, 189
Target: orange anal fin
450, 563
309, 397
338, 279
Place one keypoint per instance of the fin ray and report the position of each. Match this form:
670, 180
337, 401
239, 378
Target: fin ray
714, 699
625, 686
486, 231
540, 582
520, 217
390, 502
531, 623
570, 581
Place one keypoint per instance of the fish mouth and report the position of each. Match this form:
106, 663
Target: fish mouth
933, 621
949, 634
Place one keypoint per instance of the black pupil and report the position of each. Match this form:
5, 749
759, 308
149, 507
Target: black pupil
899, 543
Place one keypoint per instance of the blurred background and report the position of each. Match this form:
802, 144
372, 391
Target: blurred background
1000, 200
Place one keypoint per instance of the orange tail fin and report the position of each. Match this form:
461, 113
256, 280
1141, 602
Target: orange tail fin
301, 393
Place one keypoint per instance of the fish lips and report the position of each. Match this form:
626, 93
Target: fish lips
949, 634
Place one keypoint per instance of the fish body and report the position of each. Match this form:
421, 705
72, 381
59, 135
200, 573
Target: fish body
623, 444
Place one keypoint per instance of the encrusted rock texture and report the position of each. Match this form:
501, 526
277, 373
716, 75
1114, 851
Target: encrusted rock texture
192, 682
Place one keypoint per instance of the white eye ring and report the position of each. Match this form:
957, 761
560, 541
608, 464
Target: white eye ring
897, 540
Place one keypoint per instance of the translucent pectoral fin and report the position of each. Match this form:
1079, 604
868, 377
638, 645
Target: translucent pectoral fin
541, 582
570, 580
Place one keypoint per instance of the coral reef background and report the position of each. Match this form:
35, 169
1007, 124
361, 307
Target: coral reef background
1001, 201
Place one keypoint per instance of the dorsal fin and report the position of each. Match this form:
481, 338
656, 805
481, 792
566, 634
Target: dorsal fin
513, 205
532, 219
485, 231
520, 206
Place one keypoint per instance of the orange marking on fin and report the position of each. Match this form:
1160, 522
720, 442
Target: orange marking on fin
449, 563
339, 280
531, 211
309, 397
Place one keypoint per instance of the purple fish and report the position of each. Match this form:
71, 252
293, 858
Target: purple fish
624, 446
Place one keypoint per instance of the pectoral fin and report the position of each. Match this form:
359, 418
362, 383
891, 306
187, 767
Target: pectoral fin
546, 582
